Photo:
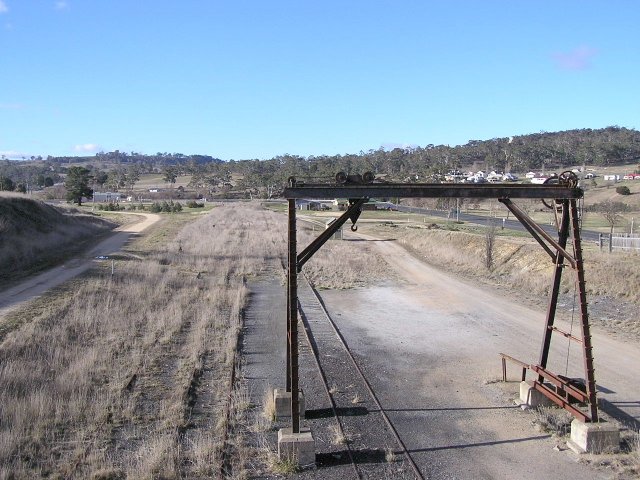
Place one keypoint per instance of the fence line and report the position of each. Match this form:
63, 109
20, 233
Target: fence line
623, 241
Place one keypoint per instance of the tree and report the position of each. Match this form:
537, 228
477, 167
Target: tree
77, 184
611, 212
6, 184
169, 175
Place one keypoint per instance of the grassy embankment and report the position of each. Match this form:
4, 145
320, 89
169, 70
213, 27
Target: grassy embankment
35, 236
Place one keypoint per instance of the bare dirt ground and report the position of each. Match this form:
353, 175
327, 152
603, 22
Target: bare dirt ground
13, 297
430, 345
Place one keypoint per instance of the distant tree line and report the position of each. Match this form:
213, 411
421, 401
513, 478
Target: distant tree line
540, 151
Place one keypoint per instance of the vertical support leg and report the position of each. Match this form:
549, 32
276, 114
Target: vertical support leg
288, 360
555, 287
587, 348
292, 319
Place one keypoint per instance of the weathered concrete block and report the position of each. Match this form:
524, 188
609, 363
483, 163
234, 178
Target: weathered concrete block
298, 447
532, 397
282, 400
594, 437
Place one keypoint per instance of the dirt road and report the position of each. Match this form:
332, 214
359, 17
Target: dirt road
430, 346
13, 297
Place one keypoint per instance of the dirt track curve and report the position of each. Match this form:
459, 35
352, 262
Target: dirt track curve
35, 286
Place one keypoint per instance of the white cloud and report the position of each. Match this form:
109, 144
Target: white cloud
577, 59
3, 7
87, 148
61, 5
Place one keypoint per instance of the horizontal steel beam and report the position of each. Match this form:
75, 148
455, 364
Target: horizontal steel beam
431, 190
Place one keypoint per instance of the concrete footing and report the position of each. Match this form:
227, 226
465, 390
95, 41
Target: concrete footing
594, 437
282, 400
531, 397
297, 447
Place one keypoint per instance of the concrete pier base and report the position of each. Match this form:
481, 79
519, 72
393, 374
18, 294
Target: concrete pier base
282, 400
532, 397
297, 447
594, 437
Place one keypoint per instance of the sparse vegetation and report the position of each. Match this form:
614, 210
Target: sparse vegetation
389, 455
337, 434
115, 380
553, 420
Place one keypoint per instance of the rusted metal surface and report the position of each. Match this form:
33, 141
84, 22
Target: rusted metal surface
563, 235
298, 189
292, 320
522, 364
587, 348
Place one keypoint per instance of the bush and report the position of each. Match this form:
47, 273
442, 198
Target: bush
623, 190
167, 207
194, 204
110, 207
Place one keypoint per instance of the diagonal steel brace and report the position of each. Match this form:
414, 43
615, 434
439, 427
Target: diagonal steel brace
538, 232
353, 212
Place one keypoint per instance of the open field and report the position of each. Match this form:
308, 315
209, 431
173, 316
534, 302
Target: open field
118, 378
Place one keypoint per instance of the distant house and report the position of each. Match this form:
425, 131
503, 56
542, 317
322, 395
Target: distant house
106, 197
302, 204
539, 179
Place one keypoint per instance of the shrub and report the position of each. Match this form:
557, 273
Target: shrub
194, 204
623, 190
167, 207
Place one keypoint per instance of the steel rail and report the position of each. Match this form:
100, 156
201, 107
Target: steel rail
325, 384
382, 411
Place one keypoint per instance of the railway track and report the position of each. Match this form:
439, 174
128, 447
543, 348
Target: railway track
354, 404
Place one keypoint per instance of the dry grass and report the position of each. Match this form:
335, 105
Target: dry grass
389, 455
338, 436
635, 451
128, 376
552, 420
343, 264
519, 263
269, 405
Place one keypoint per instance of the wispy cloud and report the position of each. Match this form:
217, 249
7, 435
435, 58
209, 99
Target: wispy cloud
87, 148
3, 7
61, 5
11, 106
13, 154
576, 59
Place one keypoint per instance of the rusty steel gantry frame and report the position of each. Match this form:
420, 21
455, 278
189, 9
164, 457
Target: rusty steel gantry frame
563, 193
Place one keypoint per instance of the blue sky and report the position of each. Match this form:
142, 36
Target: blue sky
254, 79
